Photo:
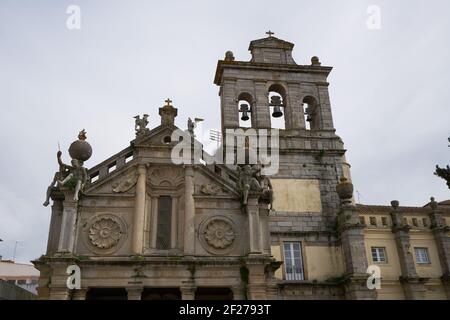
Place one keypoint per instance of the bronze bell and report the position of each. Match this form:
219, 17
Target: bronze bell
275, 101
244, 110
308, 114
277, 112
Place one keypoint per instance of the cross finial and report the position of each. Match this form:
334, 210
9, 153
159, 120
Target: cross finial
270, 33
168, 102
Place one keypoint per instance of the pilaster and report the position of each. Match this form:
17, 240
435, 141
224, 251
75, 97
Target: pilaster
139, 211
440, 232
413, 285
352, 239
79, 294
189, 212
134, 293
254, 225
188, 289
68, 223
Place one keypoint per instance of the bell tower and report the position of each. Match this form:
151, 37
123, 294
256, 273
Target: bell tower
272, 87
273, 91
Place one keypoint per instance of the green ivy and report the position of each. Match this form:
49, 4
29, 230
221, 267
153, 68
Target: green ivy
244, 274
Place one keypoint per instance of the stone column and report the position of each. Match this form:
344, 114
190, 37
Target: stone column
261, 111
254, 224
68, 223
59, 293
351, 233
294, 114
188, 289
326, 117
43, 289
189, 211
55, 226
264, 233
440, 231
352, 239
134, 293
139, 211
79, 294
174, 226
413, 285
154, 222
256, 287
229, 105
238, 293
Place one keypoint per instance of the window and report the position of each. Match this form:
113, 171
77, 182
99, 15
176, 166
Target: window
373, 221
384, 221
164, 223
425, 222
379, 255
422, 255
415, 222
293, 261
362, 220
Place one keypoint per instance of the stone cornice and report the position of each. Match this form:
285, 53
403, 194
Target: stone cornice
222, 64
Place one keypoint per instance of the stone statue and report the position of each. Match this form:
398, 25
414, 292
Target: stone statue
140, 125
60, 175
191, 127
80, 151
247, 181
267, 190
77, 174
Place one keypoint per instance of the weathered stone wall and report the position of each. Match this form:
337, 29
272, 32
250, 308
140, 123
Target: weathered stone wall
13, 292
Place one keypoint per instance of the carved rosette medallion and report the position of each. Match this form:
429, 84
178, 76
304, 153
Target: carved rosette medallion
105, 233
218, 235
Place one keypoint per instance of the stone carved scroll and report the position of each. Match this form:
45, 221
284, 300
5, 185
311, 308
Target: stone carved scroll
126, 184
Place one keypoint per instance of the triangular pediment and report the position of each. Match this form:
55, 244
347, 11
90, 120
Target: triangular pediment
156, 136
119, 181
271, 42
208, 183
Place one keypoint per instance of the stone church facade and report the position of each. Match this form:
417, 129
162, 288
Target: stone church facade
147, 228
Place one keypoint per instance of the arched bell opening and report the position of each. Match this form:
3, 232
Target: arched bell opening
311, 112
245, 103
277, 104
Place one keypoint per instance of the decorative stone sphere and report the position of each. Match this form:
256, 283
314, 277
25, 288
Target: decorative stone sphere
344, 189
80, 150
229, 56
315, 61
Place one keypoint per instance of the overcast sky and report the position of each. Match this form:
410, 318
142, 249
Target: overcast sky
389, 88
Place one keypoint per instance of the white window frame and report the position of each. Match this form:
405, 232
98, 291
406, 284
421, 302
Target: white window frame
378, 258
422, 256
293, 261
